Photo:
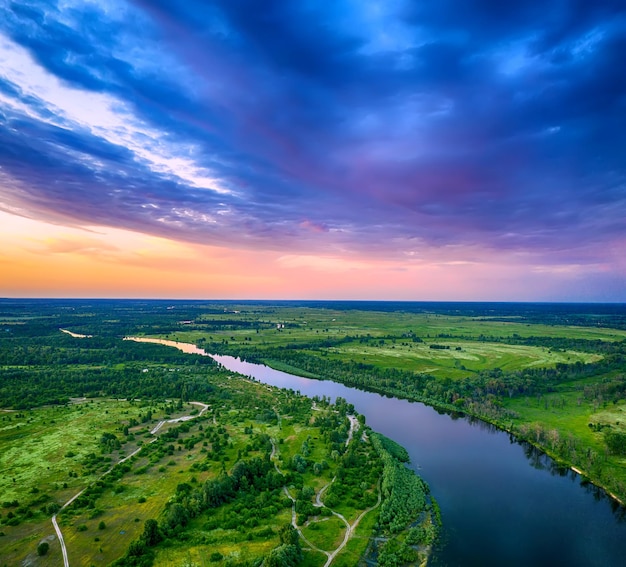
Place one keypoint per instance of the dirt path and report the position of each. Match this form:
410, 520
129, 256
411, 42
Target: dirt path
57, 529
76, 335
55, 524
330, 556
318, 502
294, 522
354, 427
353, 527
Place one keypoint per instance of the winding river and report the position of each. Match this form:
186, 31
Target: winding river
503, 503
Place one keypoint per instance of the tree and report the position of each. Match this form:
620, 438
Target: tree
289, 535
42, 548
283, 556
151, 533
298, 463
177, 516
616, 442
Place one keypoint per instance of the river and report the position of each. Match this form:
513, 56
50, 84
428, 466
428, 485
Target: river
503, 503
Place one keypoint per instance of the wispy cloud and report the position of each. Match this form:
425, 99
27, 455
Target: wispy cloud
392, 128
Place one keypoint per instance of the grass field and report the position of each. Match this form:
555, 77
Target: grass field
304, 325
326, 533
41, 446
458, 347
42, 462
65, 455
386, 339
460, 358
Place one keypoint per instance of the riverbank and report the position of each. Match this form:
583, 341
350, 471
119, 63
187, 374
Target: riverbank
451, 409
503, 424
407, 526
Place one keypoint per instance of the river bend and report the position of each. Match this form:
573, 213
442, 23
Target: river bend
503, 503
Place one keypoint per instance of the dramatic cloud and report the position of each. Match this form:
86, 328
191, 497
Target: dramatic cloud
382, 129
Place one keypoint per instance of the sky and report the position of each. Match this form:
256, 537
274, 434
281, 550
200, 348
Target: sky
309, 149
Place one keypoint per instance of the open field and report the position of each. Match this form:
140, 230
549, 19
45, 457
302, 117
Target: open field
460, 358
303, 325
58, 453
503, 369
54, 452
40, 447
559, 386
401, 340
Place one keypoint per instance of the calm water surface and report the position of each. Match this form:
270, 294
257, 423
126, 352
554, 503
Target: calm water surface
502, 503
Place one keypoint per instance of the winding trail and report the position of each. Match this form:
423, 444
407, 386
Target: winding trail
330, 555
354, 427
294, 522
352, 527
57, 528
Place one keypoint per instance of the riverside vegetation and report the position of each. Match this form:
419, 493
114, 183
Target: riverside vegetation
178, 462
553, 375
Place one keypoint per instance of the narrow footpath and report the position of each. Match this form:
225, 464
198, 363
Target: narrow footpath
350, 528
57, 529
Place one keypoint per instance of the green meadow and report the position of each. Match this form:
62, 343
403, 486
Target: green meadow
50, 454
309, 476
559, 386
224, 486
387, 339
460, 358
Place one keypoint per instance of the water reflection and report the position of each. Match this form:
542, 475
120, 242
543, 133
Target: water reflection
496, 509
482, 425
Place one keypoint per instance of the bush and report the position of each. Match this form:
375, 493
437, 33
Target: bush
42, 548
616, 442
102, 525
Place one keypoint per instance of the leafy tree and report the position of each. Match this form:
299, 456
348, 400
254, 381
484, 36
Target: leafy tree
298, 463
616, 442
283, 556
289, 535
151, 533
42, 548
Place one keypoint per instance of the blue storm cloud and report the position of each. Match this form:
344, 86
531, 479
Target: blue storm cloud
497, 124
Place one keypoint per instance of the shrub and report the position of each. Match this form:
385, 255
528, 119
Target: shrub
42, 548
616, 442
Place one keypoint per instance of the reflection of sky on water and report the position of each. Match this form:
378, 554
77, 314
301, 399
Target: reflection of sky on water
502, 502
497, 509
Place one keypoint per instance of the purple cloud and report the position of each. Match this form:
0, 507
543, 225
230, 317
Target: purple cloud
304, 125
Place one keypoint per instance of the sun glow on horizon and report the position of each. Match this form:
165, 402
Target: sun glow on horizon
52, 260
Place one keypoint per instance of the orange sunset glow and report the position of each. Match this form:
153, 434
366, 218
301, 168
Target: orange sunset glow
45, 259
356, 152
